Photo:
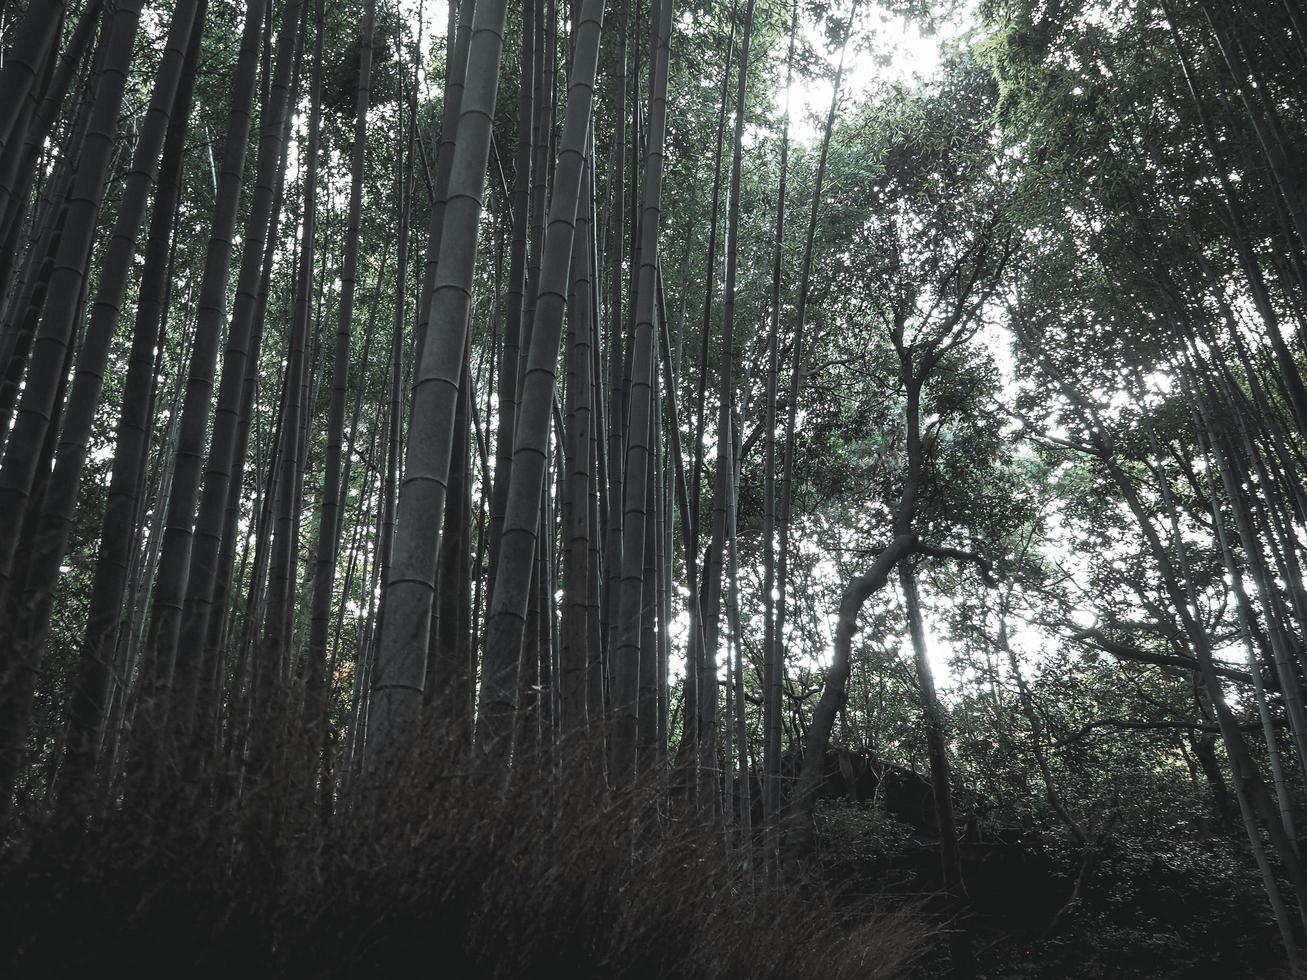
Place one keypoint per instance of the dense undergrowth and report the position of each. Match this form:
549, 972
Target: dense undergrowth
460, 878
465, 875
463, 878
1189, 907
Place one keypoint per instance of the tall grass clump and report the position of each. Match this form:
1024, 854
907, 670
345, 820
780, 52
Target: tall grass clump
545, 872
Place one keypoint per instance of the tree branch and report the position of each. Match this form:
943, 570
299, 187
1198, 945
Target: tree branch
1145, 726
985, 566
1123, 651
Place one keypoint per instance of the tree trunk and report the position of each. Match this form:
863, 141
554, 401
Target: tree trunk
398, 681
329, 514
625, 658
504, 633
963, 960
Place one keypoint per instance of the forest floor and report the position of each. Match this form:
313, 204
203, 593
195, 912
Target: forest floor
456, 880
511, 884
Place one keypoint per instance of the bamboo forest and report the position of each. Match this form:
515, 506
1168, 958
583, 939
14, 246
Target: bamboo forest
653, 489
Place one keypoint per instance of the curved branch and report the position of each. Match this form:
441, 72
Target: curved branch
859, 590
1123, 651
1128, 724
985, 566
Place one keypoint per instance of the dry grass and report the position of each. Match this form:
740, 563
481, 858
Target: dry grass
456, 877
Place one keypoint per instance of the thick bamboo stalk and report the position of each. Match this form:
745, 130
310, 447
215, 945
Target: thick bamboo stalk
398, 678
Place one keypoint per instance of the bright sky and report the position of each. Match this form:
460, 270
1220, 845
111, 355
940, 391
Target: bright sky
885, 49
